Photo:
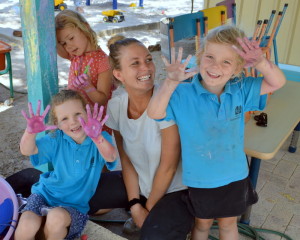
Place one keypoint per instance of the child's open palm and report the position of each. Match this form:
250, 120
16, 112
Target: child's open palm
252, 53
176, 70
35, 123
93, 126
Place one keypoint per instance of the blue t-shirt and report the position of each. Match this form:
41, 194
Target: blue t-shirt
77, 170
212, 131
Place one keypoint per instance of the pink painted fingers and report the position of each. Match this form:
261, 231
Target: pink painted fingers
35, 123
251, 53
93, 126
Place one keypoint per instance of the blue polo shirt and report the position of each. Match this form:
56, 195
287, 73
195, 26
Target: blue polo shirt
77, 169
212, 131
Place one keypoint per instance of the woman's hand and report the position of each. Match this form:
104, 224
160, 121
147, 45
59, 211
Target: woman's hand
176, 71
252, 53
35, 123
93, 126
139, 214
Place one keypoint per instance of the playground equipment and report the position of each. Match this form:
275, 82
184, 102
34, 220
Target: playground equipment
8, 210
114, 16
6, 68
60, 5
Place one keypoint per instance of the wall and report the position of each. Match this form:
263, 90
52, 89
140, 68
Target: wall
288, 38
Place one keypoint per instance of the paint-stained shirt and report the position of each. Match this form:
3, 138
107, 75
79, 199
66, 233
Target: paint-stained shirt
212, 130
77, 170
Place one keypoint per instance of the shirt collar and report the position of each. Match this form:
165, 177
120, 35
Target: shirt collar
86, 141
201, 90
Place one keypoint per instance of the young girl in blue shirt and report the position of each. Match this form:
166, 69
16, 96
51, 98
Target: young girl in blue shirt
209, 113
78, 150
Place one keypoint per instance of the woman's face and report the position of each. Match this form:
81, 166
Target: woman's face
137, 67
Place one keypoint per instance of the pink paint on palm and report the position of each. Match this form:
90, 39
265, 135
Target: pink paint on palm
251, 53
93, 126
35, 123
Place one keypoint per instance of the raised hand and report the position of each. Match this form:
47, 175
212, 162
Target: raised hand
93, 126
176, 71
81, 81
251, 53
35, 123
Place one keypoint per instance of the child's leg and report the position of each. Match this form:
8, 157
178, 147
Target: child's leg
57, 222
28, 226
228, 229
201, 229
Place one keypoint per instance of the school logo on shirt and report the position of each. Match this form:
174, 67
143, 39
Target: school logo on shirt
238, 110
92, 162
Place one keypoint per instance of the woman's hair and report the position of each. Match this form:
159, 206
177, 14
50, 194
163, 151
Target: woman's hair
70, 18
60, 98
114, 45
225, 34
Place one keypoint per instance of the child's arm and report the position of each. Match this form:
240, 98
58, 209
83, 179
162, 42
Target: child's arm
35, 124
93, 128
253, 55
101, 93
170, 155
175, 73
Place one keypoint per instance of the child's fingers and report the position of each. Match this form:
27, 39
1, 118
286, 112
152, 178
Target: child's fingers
179, 57
104, 119
46, 111
187, 60
88, 110
24, 114
82, 122
172, 55
95, 113
165, 60
31, 114
100, 113
240, 52
38, 110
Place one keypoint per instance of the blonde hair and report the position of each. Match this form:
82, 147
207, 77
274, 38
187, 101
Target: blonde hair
60, 98
114, 45
69, 18
226, 34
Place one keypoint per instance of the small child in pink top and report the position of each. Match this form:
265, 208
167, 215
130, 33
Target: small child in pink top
90, 72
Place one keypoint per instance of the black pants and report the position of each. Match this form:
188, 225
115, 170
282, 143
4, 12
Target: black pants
169, 219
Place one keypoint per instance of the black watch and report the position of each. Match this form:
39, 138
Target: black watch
133, 202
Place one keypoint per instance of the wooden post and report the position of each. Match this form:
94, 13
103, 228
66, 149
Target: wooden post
39, 42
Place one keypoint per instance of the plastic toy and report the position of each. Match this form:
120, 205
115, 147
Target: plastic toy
114, 16
60, 5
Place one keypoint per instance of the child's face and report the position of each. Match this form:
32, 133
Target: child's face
137, 68
218, 63
67, 115
74, 41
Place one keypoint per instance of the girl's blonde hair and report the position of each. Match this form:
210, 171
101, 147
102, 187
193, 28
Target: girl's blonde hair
70, 18
60, 98
114, 45
226, 34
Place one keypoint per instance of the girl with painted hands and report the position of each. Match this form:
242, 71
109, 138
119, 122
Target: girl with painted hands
90, 72
149, 150
209, 113
78, 150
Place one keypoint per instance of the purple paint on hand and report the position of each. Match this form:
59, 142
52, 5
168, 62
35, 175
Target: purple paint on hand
93, 126
35, 123
251, 53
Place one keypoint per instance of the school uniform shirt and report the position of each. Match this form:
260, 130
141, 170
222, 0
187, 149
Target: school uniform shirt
141, 142
212, 131
77, 170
